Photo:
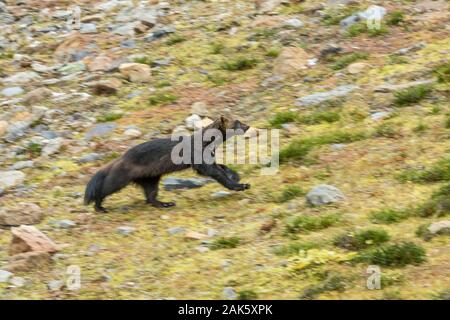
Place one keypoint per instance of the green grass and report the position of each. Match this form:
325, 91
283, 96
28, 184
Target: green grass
225, 243
162, 98
348, 59
334, 15
298, 149
239, 64
247, 295
389, 216
361, 27
438, 204
361, 239
283, 117
217, 48
331, 283
291, 192
439, 171
395, 255
273, 52
108, 117
387, 130
443, 73
34, 149
143, 60
319, 117
411, 95
306, 223
175, 39
395, 18
294, 248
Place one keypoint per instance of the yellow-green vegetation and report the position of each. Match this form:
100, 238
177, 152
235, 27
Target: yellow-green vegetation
411, 95
388, 216
361, 239
110, 116
395, 255
348, 59
306, 223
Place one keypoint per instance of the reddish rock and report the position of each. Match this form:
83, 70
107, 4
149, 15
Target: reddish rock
29, 238
28, 261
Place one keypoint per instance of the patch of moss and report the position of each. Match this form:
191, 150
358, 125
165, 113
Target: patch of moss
395, 18
283, 117
361, 239
108, 117
395, 255
443, 73
319, 117
348, 59
162, 98
239, 64
438, 205
387, 130
291, 192
389, 216
334, 282
293, 248
273, 52
217, 48
225, 243
247, 295
440, 171
305, 223
34, 149
172, 40
412, 95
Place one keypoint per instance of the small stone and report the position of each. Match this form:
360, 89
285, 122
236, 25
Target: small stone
100, 130
176, 230
220, 194
337, 146
22, 78
55, 285
199, 108
91, 157
192, 120
377, 116
22, 213
294, 23
29, 238
195, 235
66, 224
136, 72
324, 194
88, 28
125, 230
10, 179
5, 275
202, 249
357, 67
52, 146
27, 261
37, 95
229, 293
17, 281
11, 91
290, 61
439, 227
132, 133
320, 97
106, 87
19, 165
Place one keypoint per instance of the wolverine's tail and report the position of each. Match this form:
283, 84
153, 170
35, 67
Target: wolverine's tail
94, 189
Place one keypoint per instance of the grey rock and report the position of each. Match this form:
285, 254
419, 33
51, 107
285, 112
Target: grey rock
17, 281
10, 179
49, 134
55, 285
294, 23
88, 28
412, 48
220, 194
320, 97
372, 11
52, 146
90, 157
337, 146
5, 276
379, 115
229, 293
100, 130
172, 183
439, 227
17, 130
125, 230
22, 78
65, 224
152, 36
130, 43
402, 86
72, 68
176, 230
22, 165
11, 91
324, 194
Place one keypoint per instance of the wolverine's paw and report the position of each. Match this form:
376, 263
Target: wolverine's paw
101, 209
160, 204
242, 187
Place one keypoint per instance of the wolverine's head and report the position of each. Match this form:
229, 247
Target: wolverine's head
227, 124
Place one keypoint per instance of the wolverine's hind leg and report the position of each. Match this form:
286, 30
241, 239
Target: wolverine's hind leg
150, 186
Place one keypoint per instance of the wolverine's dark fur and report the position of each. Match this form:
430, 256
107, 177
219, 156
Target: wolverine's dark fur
144, 165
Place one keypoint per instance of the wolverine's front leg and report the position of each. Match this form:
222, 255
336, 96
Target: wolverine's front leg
150, 186
219, 174
231, 174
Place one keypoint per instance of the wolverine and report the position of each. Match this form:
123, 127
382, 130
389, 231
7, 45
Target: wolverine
145, 163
